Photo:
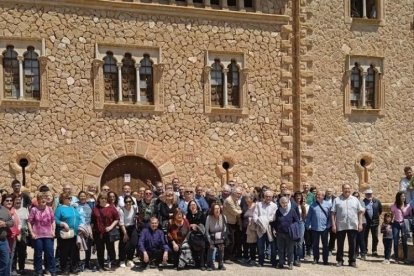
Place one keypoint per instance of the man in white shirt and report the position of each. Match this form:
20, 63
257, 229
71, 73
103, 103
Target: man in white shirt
405, 184
127, 192
264, 214
347, 213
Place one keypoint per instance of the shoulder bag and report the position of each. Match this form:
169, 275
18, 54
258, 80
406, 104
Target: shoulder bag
114, 234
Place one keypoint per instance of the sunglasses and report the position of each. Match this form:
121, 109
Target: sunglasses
8, 200
148, 193
104, 198
128, 201
106, 190
188, 192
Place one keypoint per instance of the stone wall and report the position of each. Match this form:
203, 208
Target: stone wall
340, 140
63, 139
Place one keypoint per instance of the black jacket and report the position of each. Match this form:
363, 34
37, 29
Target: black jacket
376, 212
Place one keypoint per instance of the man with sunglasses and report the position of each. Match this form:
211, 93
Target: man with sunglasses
188, 196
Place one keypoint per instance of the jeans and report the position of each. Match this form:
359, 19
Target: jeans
4, 258
298, 250
340, 237
101, 243
127, 249
285, 248
387, 248
261, 249
20, 255
323, 235
44, 245
374, 233
13, 251
396, 229
361, 247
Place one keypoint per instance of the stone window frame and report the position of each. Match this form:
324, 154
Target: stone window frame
20, 46
364, 20
226, 58
137, 52
364, 63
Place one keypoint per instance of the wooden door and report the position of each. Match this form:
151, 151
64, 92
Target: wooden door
133, 170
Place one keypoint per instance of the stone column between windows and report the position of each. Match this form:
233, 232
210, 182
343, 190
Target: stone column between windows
119, 65
225, 94
138, 86
363, 92
364, 8
21, 88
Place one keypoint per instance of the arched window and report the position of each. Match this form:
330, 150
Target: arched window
356, 85
356, 8
216, 83
31, 74
110, 71
129, 79
11, 73
146, 78
233, 78
370, 87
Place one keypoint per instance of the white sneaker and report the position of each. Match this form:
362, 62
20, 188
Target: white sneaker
386, 262
122, 265
130, 264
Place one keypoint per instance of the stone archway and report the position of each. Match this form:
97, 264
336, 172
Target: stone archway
150, 152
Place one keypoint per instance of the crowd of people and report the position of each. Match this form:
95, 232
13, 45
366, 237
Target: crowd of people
176, 225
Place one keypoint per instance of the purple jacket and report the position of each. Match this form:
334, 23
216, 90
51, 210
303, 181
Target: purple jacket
151, 240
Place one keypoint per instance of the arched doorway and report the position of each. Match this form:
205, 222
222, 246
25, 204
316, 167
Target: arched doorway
133, 170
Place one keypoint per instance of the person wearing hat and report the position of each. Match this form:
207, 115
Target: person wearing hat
373, 210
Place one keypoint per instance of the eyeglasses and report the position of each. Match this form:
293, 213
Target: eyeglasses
68, 198
106, 190
286, 195
148, 193
128, 201
8, 200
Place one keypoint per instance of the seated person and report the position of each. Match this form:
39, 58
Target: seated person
152, 245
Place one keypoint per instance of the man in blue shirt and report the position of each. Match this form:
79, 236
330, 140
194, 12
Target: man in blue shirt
201, 201
318, 220
152, 245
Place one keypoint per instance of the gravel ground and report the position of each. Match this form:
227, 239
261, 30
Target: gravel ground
372, 266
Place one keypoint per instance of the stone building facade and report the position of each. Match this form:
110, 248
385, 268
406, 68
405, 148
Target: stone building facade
256, 91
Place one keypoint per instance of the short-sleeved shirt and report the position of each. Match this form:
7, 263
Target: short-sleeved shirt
346, 210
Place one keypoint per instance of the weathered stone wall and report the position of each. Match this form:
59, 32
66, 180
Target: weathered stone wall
66, 136
338, 139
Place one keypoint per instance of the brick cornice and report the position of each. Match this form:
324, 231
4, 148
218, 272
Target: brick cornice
159, 9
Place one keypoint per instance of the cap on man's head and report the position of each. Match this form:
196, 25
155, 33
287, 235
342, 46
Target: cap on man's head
368, 191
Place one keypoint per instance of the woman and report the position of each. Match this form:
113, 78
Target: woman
400, 209
216, 228
113, 198
8, 203
178, 229
249, 230
104, 219
360, 248
41, 225
166, 209
84, 239
303, 211
197, 241
129, 235
21, 242
67, 220
284, 218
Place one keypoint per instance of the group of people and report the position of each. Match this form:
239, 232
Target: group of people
186, 227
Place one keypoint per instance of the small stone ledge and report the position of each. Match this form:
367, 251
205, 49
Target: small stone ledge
229, 111
128, 107
14, 103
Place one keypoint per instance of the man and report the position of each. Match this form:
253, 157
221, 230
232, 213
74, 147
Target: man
92, 195
232, 212
329, 197
17, 192
146, 209
105, 189
405, 184
232, 184
159, 189
67, 189
126, 189
152, 245
201, 201
346, 218
176, 185
264, 214
283, 188
188, 196
6, 222
319, 221
373, 211
225, 193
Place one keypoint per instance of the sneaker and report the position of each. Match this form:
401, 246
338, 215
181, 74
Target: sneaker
296, 263
130, 264
315, 262
363, 257
290, 267
353, 264
209, 269
252, 263
386, 261
279, 266
222, 267
374, 254
228, 262
122, 265
339, 264
203, 268
330, 252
